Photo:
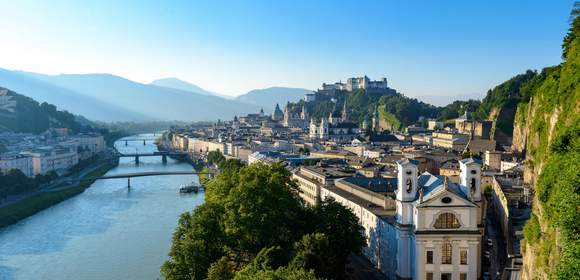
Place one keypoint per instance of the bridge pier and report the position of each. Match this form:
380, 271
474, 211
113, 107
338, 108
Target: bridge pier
126, 144
128, 182
164, 158
143, 142
137, 160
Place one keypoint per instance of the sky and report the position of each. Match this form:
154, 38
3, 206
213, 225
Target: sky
424, 48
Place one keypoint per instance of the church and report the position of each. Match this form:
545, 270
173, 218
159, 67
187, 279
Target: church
295, 120
422, 226
335, 128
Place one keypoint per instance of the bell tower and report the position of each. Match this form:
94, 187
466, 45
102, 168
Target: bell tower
470, 178
406, 190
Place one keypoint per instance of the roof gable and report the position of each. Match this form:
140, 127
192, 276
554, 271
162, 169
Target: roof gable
433, 187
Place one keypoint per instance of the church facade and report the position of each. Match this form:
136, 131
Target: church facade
295, 120
430, 229
335, 128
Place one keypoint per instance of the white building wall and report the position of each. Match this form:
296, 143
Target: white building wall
20, 162
52, 161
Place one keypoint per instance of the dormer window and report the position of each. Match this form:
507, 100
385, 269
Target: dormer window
473, 172
409, 172
447, 221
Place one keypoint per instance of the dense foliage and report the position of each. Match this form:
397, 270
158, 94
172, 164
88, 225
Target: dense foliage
254, 226
401, 110
13, 182
391, 106
458, 108
32, 117
504, 98
553, 151
558, 191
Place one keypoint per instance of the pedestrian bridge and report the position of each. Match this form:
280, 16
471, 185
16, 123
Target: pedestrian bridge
162, 154
145, 174
151, 173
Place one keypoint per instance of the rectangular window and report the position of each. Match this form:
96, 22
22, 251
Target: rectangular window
463, 276
446, 256
429, 276
463, 256
445, 276
429, 257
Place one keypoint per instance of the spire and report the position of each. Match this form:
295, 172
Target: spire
445, 184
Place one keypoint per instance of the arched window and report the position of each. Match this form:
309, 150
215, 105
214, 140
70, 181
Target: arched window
409, 185
447, 220
473, 184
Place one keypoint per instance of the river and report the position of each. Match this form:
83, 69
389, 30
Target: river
108, 232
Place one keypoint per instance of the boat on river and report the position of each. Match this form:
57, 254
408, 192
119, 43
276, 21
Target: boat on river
193, 188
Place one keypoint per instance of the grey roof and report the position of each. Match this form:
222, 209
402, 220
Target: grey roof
406, 161
433, 184
378, 184
345, 125
383, 137
468, 161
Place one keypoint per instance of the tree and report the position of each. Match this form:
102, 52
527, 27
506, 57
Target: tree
221, 270
13, 182
197, 242
215, 157
262, 207
314, 252
282, 273
230, 165
253, 219
345, 234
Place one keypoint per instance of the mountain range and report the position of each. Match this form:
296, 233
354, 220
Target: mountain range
268, 98
106, 97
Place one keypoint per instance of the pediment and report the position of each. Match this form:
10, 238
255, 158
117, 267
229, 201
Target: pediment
445, 198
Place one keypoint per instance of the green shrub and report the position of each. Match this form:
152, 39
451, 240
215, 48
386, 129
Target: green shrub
532, 231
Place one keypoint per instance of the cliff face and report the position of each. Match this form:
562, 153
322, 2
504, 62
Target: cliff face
500, 116
547, 127
521, 131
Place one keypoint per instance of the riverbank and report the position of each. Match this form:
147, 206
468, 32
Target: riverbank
198, 164
15, 212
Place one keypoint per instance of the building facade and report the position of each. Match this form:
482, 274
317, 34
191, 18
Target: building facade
16, 161
425, 227
57, 159
296, 120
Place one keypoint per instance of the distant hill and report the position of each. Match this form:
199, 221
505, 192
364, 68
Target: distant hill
499, 105
29, 116
150, 102
66, 99
183, 85
268, 98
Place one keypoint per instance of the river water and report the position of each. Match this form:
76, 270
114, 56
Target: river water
108, 232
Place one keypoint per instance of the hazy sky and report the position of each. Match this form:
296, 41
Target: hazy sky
423, 47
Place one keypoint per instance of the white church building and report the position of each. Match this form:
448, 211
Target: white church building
424, 227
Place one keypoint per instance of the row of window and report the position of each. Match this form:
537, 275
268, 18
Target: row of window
446, 255
445, 276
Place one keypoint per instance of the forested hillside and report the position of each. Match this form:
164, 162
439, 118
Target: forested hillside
547, 127
30, 116
393, 107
